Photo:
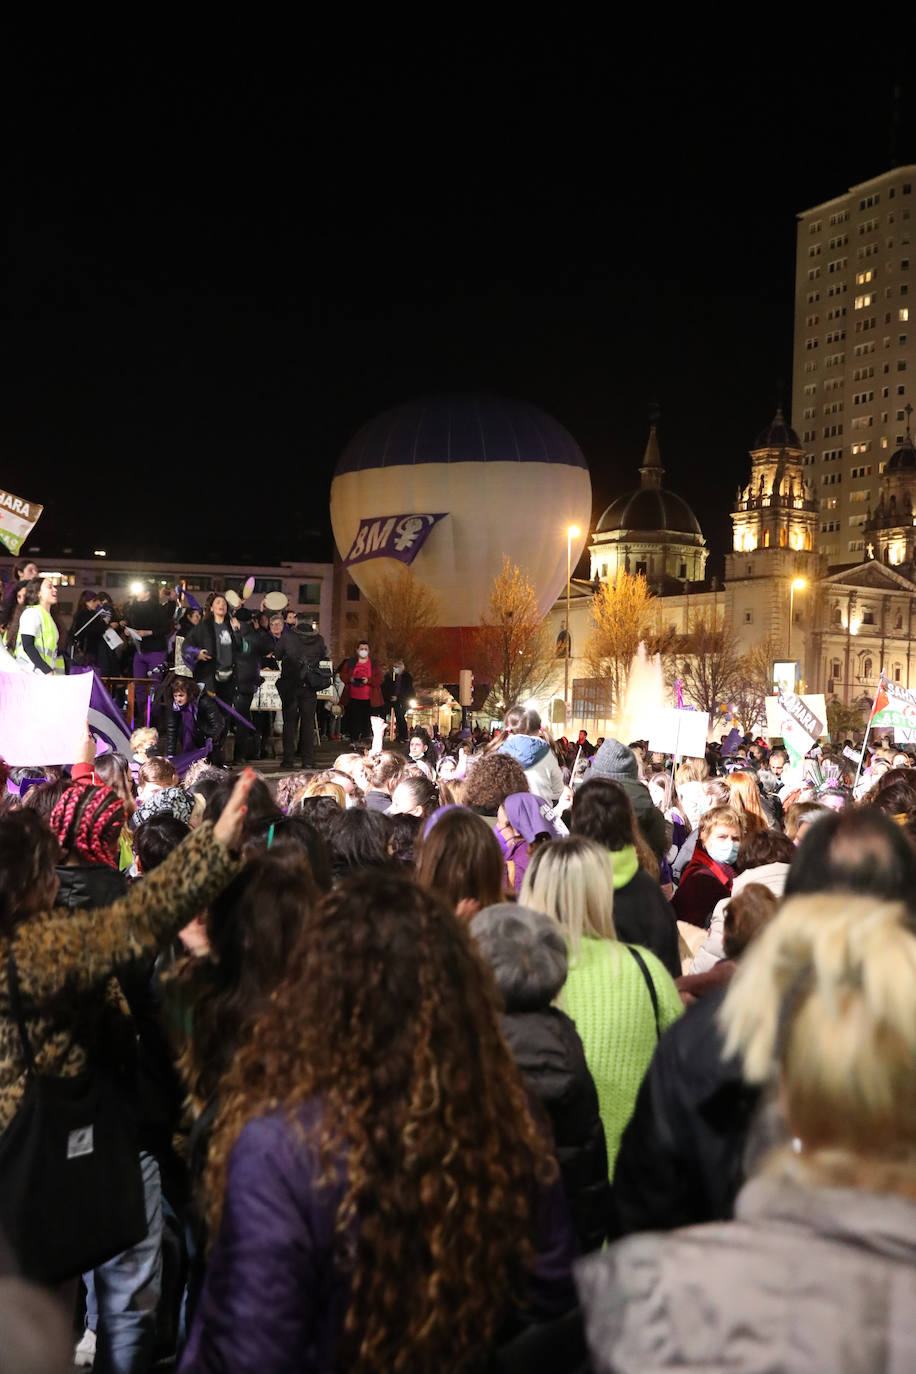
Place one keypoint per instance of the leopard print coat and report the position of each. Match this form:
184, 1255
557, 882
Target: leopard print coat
61, 956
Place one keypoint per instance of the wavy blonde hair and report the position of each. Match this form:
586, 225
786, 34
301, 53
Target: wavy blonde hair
824, 1002
389, 1016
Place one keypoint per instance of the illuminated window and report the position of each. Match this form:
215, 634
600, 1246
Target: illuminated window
903, 314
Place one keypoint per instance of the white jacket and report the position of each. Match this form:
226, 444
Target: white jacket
710, 952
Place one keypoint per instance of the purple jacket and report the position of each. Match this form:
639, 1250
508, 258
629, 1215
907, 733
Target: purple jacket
273, 1298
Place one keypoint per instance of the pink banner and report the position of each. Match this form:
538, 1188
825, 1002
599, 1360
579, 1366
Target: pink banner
42, 716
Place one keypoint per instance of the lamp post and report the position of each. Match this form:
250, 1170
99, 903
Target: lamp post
572, 533
796, 585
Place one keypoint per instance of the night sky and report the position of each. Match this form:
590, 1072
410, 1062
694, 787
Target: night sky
225, 257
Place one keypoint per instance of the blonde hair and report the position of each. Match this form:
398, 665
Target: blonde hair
322, 787
824, 999
692, 770
720, 815
142, 739
573, 880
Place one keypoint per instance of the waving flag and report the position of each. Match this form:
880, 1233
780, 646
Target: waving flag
894, 705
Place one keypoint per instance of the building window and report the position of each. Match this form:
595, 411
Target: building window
835, 668
682, 571
352, 592
263, 585
868, 617
748, 617
867, 668
309, 593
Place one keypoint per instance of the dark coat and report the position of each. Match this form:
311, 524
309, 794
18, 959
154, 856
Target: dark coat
398, 691
92, 886
681, 1156
644, 916
276, 1252
203, 636
547, 1049
256, 645
209, 723
294, 650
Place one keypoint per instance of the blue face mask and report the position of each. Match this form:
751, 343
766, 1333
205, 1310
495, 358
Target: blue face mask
722, 851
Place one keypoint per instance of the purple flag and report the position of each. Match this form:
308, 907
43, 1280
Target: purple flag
391, 536
105, 720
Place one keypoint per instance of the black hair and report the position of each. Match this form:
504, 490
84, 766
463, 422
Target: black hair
155, 839
293, 836
601, 811
357, 840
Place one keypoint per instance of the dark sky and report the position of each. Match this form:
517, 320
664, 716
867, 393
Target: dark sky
226, 256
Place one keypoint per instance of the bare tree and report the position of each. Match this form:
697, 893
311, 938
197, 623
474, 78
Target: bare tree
624, 612
517, 649
709, 662
403, 612
754, 683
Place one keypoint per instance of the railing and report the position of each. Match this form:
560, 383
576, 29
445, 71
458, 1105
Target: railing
112, 684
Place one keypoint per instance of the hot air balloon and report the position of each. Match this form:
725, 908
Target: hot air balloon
453, 485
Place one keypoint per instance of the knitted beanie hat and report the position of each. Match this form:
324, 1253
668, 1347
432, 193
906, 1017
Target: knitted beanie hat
614, 760
87, 822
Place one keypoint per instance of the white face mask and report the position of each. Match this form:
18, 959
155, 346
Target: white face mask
722, 851
362, 653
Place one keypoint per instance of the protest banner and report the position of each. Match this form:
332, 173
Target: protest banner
17, 519
42, 717
799, 720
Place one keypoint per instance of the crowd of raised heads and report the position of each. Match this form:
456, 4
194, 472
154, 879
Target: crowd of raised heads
486, 1052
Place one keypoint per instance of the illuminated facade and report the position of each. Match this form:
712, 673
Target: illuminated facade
855, 354
650, 531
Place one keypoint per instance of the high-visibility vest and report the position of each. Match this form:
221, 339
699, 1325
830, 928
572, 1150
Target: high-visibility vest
45, 642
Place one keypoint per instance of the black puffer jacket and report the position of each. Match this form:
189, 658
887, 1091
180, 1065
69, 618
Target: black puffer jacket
528, 954
547, 1049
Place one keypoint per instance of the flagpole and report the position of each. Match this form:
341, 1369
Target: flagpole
865, 740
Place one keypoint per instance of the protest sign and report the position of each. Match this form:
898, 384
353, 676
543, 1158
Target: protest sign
682, 733
42, 716
17, 519
799, 720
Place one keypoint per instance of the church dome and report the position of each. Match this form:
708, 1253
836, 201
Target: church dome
649, 508
778, 434
904, 458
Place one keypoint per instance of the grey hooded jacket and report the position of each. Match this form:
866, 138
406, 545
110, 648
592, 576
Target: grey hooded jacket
804, 1279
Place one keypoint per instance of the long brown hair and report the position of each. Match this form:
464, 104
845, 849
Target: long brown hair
390, 1018
460, 858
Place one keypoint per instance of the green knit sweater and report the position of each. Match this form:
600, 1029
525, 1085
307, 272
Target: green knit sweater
606, 996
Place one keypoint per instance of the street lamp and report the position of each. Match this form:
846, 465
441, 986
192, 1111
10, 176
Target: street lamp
572, 533
797, 584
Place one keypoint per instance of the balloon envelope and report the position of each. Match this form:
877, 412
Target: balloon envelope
509, 480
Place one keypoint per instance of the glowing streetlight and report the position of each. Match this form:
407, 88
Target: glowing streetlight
796, 585
572, 533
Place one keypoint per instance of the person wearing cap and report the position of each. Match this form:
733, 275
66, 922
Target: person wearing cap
616, 761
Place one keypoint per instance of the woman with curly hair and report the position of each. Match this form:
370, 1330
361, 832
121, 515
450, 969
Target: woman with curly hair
377, 1185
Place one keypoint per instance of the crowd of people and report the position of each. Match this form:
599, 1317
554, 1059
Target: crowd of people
491, 1052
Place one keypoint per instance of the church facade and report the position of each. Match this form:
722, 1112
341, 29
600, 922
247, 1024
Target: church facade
842, 626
